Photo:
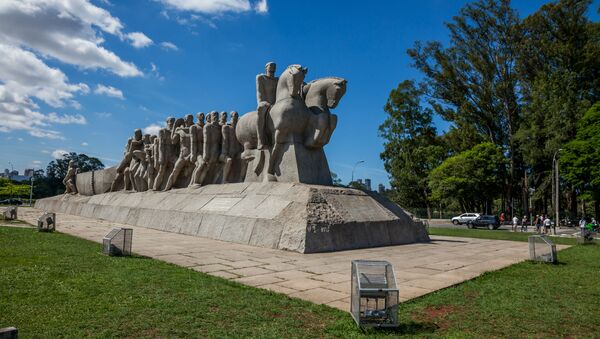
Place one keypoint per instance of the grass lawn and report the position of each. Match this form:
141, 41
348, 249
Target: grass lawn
55, 285
496, 234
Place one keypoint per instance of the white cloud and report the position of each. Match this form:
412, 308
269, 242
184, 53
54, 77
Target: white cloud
70, 31
64, 30
261, 6
139, 40
169, 46
152, 129
210, 6
36, 162
84, 144
58, 154
109, 91
103, 115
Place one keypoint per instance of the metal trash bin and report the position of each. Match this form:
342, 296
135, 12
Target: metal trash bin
118, 242
10, 213
542, 249
47, 222
374, 295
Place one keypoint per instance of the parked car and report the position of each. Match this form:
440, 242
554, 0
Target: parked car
11, 201
464, 218
492, 222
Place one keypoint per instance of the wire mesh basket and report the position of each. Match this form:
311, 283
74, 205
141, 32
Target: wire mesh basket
542, 249
118, 242
374, 294
9, 213
585, 237
47, 222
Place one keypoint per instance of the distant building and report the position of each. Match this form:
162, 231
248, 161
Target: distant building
359, 181
381, 189
28, 172
14, 175
368, 184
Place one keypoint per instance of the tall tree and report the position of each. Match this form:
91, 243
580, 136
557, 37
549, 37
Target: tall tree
559, 63
57, 169
473, 82
581, 158
411, 147
471, 178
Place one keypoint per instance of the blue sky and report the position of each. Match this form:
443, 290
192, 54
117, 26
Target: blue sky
81, 76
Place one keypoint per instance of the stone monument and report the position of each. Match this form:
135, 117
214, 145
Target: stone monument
260, 179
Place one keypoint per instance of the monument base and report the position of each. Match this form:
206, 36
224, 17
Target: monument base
288, 216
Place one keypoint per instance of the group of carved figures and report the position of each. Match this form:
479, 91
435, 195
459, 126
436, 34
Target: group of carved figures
185, 153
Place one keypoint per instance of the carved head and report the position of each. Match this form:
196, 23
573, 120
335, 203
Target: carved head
189, 120
234, 118
170, 122
200, 118
137, 134
335, 92
72, 163
153, 139
270, 68
223, 118
146, 139
212, 117
295, 78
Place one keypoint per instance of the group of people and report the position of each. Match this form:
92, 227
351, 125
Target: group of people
539, 221
184, 153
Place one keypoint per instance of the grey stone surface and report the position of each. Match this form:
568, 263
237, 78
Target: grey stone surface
291, 216
9, 213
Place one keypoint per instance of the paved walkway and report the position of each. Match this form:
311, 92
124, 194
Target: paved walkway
323, 278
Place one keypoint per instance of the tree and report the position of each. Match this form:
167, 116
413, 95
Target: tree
335, 179
580, 159
472, 178
559, 64
57, 169
9, 189
473, 82
411, 149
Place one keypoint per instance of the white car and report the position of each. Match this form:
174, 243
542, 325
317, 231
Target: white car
464, 218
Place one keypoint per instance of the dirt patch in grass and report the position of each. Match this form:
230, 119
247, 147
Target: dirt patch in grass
437, 314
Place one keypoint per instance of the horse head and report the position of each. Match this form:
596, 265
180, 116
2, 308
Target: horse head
324, 93
290, 82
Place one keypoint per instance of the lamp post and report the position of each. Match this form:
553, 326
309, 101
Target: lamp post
354, 167
31, 191
555, 189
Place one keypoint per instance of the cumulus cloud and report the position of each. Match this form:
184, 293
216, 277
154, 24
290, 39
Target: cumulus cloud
70, 31
152, 129
209, 6
109, 91
169, 46
261, 7
58, 154
139, 40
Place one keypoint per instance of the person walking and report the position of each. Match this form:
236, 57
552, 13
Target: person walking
538, 223
547, 224
502, 218
524, 224
515, 223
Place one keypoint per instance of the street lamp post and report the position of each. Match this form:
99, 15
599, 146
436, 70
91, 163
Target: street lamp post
354, 167
555, 189
31, 191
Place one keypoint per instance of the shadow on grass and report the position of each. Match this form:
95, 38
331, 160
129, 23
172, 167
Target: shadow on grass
410, 328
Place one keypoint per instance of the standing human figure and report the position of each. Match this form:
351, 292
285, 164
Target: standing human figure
230, 147
69, 179
137, 144
266, 91
121, 169
166, 152
181, 136
211, 149
538, 224
524, 224
515, 223
547, 224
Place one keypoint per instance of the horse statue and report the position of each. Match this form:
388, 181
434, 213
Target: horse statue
299, 115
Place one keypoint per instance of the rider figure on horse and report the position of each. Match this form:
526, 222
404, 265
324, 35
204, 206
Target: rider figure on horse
266, 89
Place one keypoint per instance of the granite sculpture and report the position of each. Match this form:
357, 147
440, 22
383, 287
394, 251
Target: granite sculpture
282, 140
69, 180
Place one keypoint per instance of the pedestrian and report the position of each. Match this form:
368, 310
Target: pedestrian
515, 222
502, 218
547, 224
538, 223
524, 223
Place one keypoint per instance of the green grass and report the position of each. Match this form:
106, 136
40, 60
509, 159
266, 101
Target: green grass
496, 235
55, 285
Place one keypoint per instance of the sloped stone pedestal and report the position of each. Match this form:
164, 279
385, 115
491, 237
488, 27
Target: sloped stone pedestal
289, 216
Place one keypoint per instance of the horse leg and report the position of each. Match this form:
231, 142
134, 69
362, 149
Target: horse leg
330, 128
275, 155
